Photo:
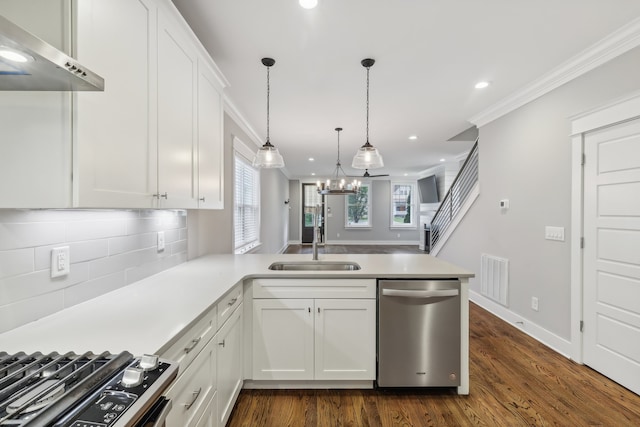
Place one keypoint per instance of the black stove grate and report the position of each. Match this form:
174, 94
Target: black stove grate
37, 389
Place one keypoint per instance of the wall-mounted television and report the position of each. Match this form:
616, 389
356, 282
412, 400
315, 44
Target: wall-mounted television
428, 189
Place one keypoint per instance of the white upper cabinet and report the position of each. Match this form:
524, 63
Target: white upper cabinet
35, 127
152, 139
116, 136
177, 157
210, 139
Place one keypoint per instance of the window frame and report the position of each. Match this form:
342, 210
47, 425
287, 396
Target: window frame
356, 226
412, 205
242, 153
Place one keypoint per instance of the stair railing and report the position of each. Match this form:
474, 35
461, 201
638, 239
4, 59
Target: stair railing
456, 196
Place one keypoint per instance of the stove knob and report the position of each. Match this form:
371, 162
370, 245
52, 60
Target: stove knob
132, 377
149, 362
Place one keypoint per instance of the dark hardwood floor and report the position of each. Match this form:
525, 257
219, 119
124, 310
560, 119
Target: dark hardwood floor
514, 381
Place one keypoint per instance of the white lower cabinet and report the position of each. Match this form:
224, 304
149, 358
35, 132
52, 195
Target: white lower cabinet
230, 357
194, 389
326, 338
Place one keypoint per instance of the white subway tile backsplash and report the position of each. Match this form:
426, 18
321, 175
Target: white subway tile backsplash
16, 262
108, 249
99, 229
25, 286
144, 270
28, 235
118, 245
21, 312
78, 252
92, 288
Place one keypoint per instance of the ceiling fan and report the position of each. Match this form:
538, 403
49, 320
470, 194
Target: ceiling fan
368, 175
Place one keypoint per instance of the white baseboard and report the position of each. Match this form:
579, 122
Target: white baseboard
537, 332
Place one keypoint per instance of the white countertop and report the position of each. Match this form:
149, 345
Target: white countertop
146, 316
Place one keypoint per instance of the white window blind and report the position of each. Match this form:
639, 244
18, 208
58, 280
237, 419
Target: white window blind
246, 206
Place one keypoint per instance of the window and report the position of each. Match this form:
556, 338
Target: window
358, 208
246, 215
403, 205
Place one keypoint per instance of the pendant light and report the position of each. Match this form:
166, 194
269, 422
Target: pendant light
268, 156
338, 184
367, 157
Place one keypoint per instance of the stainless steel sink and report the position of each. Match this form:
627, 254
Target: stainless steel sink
315, 266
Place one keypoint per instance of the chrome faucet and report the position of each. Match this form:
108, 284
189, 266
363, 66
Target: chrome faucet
316, 232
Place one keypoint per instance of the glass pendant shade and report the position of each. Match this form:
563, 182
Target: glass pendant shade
268, 156
367, 157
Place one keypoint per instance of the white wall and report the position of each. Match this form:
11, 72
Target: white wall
211, 231
524, 156
108, 250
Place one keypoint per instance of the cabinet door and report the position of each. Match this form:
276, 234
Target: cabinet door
230, 378
210, 140
35, 126
177, 70
115, 130
282, 339
345, 339
193, 389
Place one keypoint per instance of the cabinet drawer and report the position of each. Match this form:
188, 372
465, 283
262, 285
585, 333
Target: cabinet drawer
314, 288
229, 303
193, 389
192, 342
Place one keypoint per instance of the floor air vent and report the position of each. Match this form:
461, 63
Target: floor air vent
494, 278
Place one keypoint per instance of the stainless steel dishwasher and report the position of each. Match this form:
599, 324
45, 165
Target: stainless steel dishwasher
418, 333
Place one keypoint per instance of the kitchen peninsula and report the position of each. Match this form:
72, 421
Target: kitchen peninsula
203, 303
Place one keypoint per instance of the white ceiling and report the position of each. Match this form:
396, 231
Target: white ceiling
429, 55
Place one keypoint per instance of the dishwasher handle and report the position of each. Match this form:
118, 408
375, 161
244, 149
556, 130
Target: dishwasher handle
410, 293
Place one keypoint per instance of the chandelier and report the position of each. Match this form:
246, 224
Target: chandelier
338, 183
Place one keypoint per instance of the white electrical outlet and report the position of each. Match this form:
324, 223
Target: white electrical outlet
534, 303
160, 241
554, 233
60, 263
337, 234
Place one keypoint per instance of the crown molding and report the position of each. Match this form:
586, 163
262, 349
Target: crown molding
615, 44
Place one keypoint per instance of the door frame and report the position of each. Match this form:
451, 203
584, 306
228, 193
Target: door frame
610, 114
301, 208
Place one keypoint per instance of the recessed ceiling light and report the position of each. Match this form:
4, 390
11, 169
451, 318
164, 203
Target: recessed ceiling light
413, 137
442, 160
313, 174
482, 85
311, 159
308, 4
406, 174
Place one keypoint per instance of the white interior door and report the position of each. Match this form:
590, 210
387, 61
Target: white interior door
612, 253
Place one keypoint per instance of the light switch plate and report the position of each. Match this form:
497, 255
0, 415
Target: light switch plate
60, 262
554, 233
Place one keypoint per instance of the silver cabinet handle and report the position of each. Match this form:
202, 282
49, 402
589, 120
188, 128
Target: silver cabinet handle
202, 199
195, 394
221, 343
193, 345
419, 294
232, 301
164, 196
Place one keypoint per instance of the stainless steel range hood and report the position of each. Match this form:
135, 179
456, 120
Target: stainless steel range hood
47, 68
